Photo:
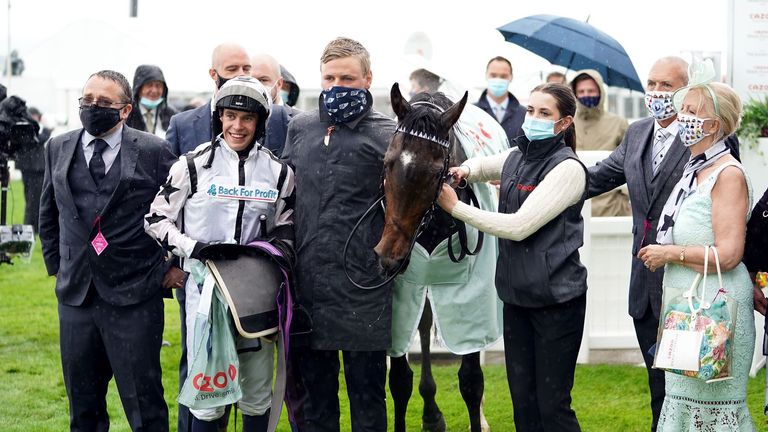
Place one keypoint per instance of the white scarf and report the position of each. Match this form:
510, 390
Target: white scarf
685, 187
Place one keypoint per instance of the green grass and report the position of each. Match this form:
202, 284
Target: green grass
32, 395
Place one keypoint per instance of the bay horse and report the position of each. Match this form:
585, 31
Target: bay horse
416, 164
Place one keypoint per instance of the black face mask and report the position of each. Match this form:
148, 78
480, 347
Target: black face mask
220, 80
98, 120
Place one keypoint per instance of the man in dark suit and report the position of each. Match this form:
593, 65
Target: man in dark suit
191, 128
497, 101
650, 160
98, 185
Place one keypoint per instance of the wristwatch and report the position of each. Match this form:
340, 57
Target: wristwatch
682, 255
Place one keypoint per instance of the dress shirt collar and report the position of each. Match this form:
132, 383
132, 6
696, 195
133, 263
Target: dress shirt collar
113, 139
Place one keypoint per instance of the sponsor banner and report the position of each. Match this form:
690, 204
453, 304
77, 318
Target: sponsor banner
749, 48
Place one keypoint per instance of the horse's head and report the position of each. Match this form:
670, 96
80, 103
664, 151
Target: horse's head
414, 166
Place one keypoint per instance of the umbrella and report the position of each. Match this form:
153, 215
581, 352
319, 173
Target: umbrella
575, 45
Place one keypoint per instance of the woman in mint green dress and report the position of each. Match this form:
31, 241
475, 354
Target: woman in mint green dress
709, 206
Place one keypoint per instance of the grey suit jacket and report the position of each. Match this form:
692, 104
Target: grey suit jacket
630, 163
130, 270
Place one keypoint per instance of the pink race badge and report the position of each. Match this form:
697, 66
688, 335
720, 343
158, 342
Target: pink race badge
99, 243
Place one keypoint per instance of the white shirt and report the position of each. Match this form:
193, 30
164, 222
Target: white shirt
498, 108
110, 152
672, 130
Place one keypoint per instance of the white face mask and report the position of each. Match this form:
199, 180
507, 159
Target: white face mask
659, 104
691, 129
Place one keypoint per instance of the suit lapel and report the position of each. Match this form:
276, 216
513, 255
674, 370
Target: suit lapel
68, 149
129, 154
639, 165
202, 125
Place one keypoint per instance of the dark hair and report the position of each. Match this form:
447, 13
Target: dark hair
566, 104
501, 59
554, 74
584, 77
426, 79
118, 78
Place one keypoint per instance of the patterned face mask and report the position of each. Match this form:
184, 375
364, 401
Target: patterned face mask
691, 129
659, 104
345, 104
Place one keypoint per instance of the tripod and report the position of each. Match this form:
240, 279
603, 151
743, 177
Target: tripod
5, 179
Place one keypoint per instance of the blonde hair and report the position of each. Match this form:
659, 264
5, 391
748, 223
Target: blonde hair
343, 47
728, 105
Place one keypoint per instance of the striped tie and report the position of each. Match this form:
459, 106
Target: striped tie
659, 149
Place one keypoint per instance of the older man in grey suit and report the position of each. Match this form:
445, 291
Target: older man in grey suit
650, 160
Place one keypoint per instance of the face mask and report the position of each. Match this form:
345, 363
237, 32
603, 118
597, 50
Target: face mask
589, 101
220, 80
497, 87
151, 104
691, 129
538, 129
98, 120
659, 104
284, 96
345, 104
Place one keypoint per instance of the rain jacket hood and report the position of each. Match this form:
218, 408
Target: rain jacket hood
143, 75
598, 129
581, 110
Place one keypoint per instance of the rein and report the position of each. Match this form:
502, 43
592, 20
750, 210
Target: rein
428, 215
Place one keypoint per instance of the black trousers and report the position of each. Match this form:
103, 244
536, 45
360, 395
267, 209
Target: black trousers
365, 373
540, 348
184, 423
33, 187
98, 341
646, 329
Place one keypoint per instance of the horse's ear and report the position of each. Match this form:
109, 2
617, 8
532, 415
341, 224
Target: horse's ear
451, 115
399, 104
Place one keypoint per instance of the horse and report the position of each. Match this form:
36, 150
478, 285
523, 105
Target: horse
416, 164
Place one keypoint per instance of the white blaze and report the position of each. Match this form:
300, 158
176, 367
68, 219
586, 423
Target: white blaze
406, 158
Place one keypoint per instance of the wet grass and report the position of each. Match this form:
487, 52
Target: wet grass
32, 395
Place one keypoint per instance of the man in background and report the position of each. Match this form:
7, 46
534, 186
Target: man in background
423, 81
31, 162
598, 129
497, 101
151, 111
556, 77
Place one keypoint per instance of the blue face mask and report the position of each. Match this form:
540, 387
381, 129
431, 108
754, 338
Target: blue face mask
589, 101
284, 96
538, 129
345, 104
151, 104
497, 87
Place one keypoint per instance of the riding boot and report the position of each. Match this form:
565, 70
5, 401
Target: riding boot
256, 423
204, 426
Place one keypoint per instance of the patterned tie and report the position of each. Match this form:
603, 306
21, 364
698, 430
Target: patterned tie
149, 120
96, 166
659, 148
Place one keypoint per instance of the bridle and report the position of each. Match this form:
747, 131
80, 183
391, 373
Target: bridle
426, 219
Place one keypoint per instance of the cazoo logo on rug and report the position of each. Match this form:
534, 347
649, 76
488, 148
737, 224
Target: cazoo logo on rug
219, 380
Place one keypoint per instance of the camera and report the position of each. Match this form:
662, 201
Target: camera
18, 132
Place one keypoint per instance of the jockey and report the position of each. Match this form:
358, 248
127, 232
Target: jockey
217, 194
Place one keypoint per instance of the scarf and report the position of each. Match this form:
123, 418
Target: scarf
685, 187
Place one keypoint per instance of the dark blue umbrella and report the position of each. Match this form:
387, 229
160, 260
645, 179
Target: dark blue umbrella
574, 45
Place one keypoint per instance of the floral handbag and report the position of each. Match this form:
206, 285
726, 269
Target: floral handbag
696, 329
